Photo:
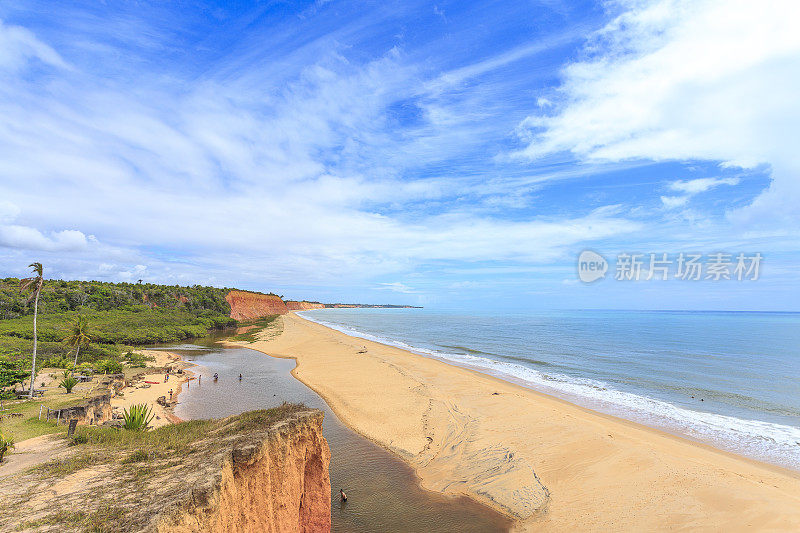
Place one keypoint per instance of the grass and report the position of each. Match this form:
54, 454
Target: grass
100, 521
135, 465
141, 446
137, 448
70, 465
28, 425
254, 327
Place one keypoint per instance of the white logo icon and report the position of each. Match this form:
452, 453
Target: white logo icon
591, 266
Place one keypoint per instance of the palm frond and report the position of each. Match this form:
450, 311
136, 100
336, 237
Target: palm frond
37, 269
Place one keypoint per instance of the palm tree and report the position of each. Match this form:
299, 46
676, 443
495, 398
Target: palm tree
79, 336
34, 284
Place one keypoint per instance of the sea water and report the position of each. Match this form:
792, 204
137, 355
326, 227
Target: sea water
729, 379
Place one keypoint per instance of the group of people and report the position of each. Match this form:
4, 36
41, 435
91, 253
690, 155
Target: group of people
342, 495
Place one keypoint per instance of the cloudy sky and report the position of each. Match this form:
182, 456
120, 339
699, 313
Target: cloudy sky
448, 154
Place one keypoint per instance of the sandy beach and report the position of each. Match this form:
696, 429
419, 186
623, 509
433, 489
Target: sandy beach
549, 464
156, 387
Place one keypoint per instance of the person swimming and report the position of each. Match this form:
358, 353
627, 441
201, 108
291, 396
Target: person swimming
342, 495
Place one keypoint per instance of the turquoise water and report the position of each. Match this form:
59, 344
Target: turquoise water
729, 379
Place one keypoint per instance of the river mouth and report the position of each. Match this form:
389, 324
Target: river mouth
383, 491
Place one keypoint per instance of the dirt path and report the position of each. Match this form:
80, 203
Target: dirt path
31, 452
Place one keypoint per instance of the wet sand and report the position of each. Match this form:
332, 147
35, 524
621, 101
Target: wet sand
551, 465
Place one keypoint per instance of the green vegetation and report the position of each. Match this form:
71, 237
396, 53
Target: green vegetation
21, 418
68, 382
6, 443
59, 296
163, 440
108, 366
135, 326
79, 336
110, 445
100, 521
137, 360
138, 417
98, 322
142, 471
248, 331
11, 371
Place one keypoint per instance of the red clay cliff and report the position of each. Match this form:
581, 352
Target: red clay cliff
249, 305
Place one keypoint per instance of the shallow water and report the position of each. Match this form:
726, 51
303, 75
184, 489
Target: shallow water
383, 492
729, 379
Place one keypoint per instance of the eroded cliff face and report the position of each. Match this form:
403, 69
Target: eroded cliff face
293, 305
261, 471
278, 484
93, 410
249, 305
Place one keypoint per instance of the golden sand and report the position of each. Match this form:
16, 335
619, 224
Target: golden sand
548, 463
136, 394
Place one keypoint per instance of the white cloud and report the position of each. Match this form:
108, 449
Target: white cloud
671, 202
699, 185
688, 80
250, 177
397, 287
28, 238
693, 187
18, 45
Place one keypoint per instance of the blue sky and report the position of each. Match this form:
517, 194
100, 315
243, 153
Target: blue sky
448, 154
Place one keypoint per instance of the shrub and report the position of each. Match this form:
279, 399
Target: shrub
78, 439
137, 457
6, 443
68, 383
108, 366
12, 371
57, 362
138, 417
137, 360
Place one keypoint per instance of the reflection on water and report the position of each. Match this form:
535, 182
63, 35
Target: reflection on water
382, 491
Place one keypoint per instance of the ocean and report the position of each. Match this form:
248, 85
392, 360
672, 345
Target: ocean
729, 379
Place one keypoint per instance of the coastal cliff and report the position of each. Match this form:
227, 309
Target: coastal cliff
259, 471
278, 483
248, 305
293, 305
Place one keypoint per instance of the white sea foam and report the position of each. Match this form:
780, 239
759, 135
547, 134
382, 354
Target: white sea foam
766, 441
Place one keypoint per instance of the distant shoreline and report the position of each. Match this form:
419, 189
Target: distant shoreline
544, 461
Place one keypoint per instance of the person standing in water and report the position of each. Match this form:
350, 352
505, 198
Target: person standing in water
240, 377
